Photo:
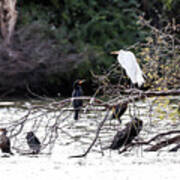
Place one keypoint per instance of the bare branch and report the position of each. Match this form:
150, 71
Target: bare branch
95, 139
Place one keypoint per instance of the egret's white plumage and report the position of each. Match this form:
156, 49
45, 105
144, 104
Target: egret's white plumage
128, 61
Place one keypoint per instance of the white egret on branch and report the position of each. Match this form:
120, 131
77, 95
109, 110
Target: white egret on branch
128, 61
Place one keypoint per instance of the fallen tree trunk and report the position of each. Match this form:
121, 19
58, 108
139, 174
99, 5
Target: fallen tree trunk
157, 137
143, 95
161, 144
138, 96
174, 149
164, 143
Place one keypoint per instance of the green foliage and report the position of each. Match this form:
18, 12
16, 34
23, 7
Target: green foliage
91, 27
167, 4
94, 28
159, 56
107, 24
164, 110
104, 25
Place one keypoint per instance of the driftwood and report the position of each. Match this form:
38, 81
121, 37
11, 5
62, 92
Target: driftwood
8, 18
142, 95
158, 136
164, 143
52, 127
137, 95
174, 149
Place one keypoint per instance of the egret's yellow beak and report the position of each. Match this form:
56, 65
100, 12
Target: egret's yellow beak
82, 81
115, 52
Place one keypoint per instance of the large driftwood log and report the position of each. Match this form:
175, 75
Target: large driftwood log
164, 143
8, 18
174, 149
158, 136
138, 95
134, 95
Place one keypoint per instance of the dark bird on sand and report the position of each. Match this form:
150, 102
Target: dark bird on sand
126, 135
77, 92
5, 144
33, 142
118, 111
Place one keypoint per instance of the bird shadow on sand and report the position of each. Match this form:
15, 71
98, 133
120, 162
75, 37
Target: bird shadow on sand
33, 155
5, 156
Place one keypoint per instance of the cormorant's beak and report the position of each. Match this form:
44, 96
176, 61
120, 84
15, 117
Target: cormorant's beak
82, 81
115, 52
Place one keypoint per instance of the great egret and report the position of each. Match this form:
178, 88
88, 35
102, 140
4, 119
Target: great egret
33, 142
5, 144
77, 92
128, 61
126, 135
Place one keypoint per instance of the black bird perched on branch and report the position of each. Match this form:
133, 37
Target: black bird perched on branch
5, 144
125, 136
77, 92
33, 142
118, 111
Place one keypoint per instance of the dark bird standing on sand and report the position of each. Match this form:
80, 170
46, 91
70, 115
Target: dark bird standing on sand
33, 142
77, 92
118, 111
5, 144
126, 135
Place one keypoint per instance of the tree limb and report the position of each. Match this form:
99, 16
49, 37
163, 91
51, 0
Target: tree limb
157, 136
143, 95
95, 139
165, 143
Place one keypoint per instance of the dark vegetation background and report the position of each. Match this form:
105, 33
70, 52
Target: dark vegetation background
62, 40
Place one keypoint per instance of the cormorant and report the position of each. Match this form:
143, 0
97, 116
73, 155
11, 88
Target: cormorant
126, 135
33, 142
77, 92
5, 144
118, 111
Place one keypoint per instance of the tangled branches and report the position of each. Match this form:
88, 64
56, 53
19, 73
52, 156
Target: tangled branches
52, 122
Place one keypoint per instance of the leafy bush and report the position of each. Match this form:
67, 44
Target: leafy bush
107, 24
